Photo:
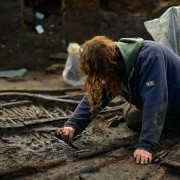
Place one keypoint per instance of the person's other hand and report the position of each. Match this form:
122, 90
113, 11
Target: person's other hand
142, 156
66, 133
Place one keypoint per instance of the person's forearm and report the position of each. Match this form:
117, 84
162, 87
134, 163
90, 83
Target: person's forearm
82, 115
153, 121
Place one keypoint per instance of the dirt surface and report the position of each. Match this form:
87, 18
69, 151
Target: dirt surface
30, 150
34, 80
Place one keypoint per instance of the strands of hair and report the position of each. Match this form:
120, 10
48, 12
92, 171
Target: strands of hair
102, 62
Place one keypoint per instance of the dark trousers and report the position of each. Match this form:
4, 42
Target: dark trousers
133, 118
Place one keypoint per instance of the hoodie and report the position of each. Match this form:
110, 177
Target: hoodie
129, 48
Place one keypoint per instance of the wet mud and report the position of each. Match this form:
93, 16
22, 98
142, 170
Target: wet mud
29, 148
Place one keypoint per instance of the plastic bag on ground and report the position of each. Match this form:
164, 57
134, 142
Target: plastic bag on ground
166, 28
72, 73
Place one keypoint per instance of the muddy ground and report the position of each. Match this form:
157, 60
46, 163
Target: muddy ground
31, 109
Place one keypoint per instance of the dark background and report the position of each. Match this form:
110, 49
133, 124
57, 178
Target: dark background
68, 21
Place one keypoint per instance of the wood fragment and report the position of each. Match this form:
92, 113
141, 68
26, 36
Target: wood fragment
72, 96
48, 114
86, 169
94, 167
10, 120
2, 118
105, 149
7, 126
45, 129
17, 111
33, 122
31, 168
36, 109
171, 164
31, 111
38, 97
41, 121
113, 109
28, 113
49, 92
8, 113
13, 104
61, 111
113, 118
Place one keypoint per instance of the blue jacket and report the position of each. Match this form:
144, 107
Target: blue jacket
154, 87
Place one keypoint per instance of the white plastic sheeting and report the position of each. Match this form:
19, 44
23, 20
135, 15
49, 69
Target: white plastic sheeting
72, 74
166, 28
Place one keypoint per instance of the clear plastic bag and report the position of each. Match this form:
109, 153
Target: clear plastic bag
72, 73
166, 28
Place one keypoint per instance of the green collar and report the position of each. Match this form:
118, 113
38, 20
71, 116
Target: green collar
129, 48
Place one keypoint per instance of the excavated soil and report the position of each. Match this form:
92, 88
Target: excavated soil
29, 149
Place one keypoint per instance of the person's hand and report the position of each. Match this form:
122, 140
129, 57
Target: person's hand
142, 156
66, 134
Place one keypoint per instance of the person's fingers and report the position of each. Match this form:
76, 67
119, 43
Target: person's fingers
59, 131
138, 158
71, 135
150, 159
146, 160
66, 134
141, 156
143, 159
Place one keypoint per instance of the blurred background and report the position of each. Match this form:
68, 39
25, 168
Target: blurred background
34, 34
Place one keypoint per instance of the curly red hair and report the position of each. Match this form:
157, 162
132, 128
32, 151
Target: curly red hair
102, 62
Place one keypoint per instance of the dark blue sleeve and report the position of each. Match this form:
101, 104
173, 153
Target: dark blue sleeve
154, 94
82, 115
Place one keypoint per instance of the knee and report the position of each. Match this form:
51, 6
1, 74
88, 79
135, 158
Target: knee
133, 117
